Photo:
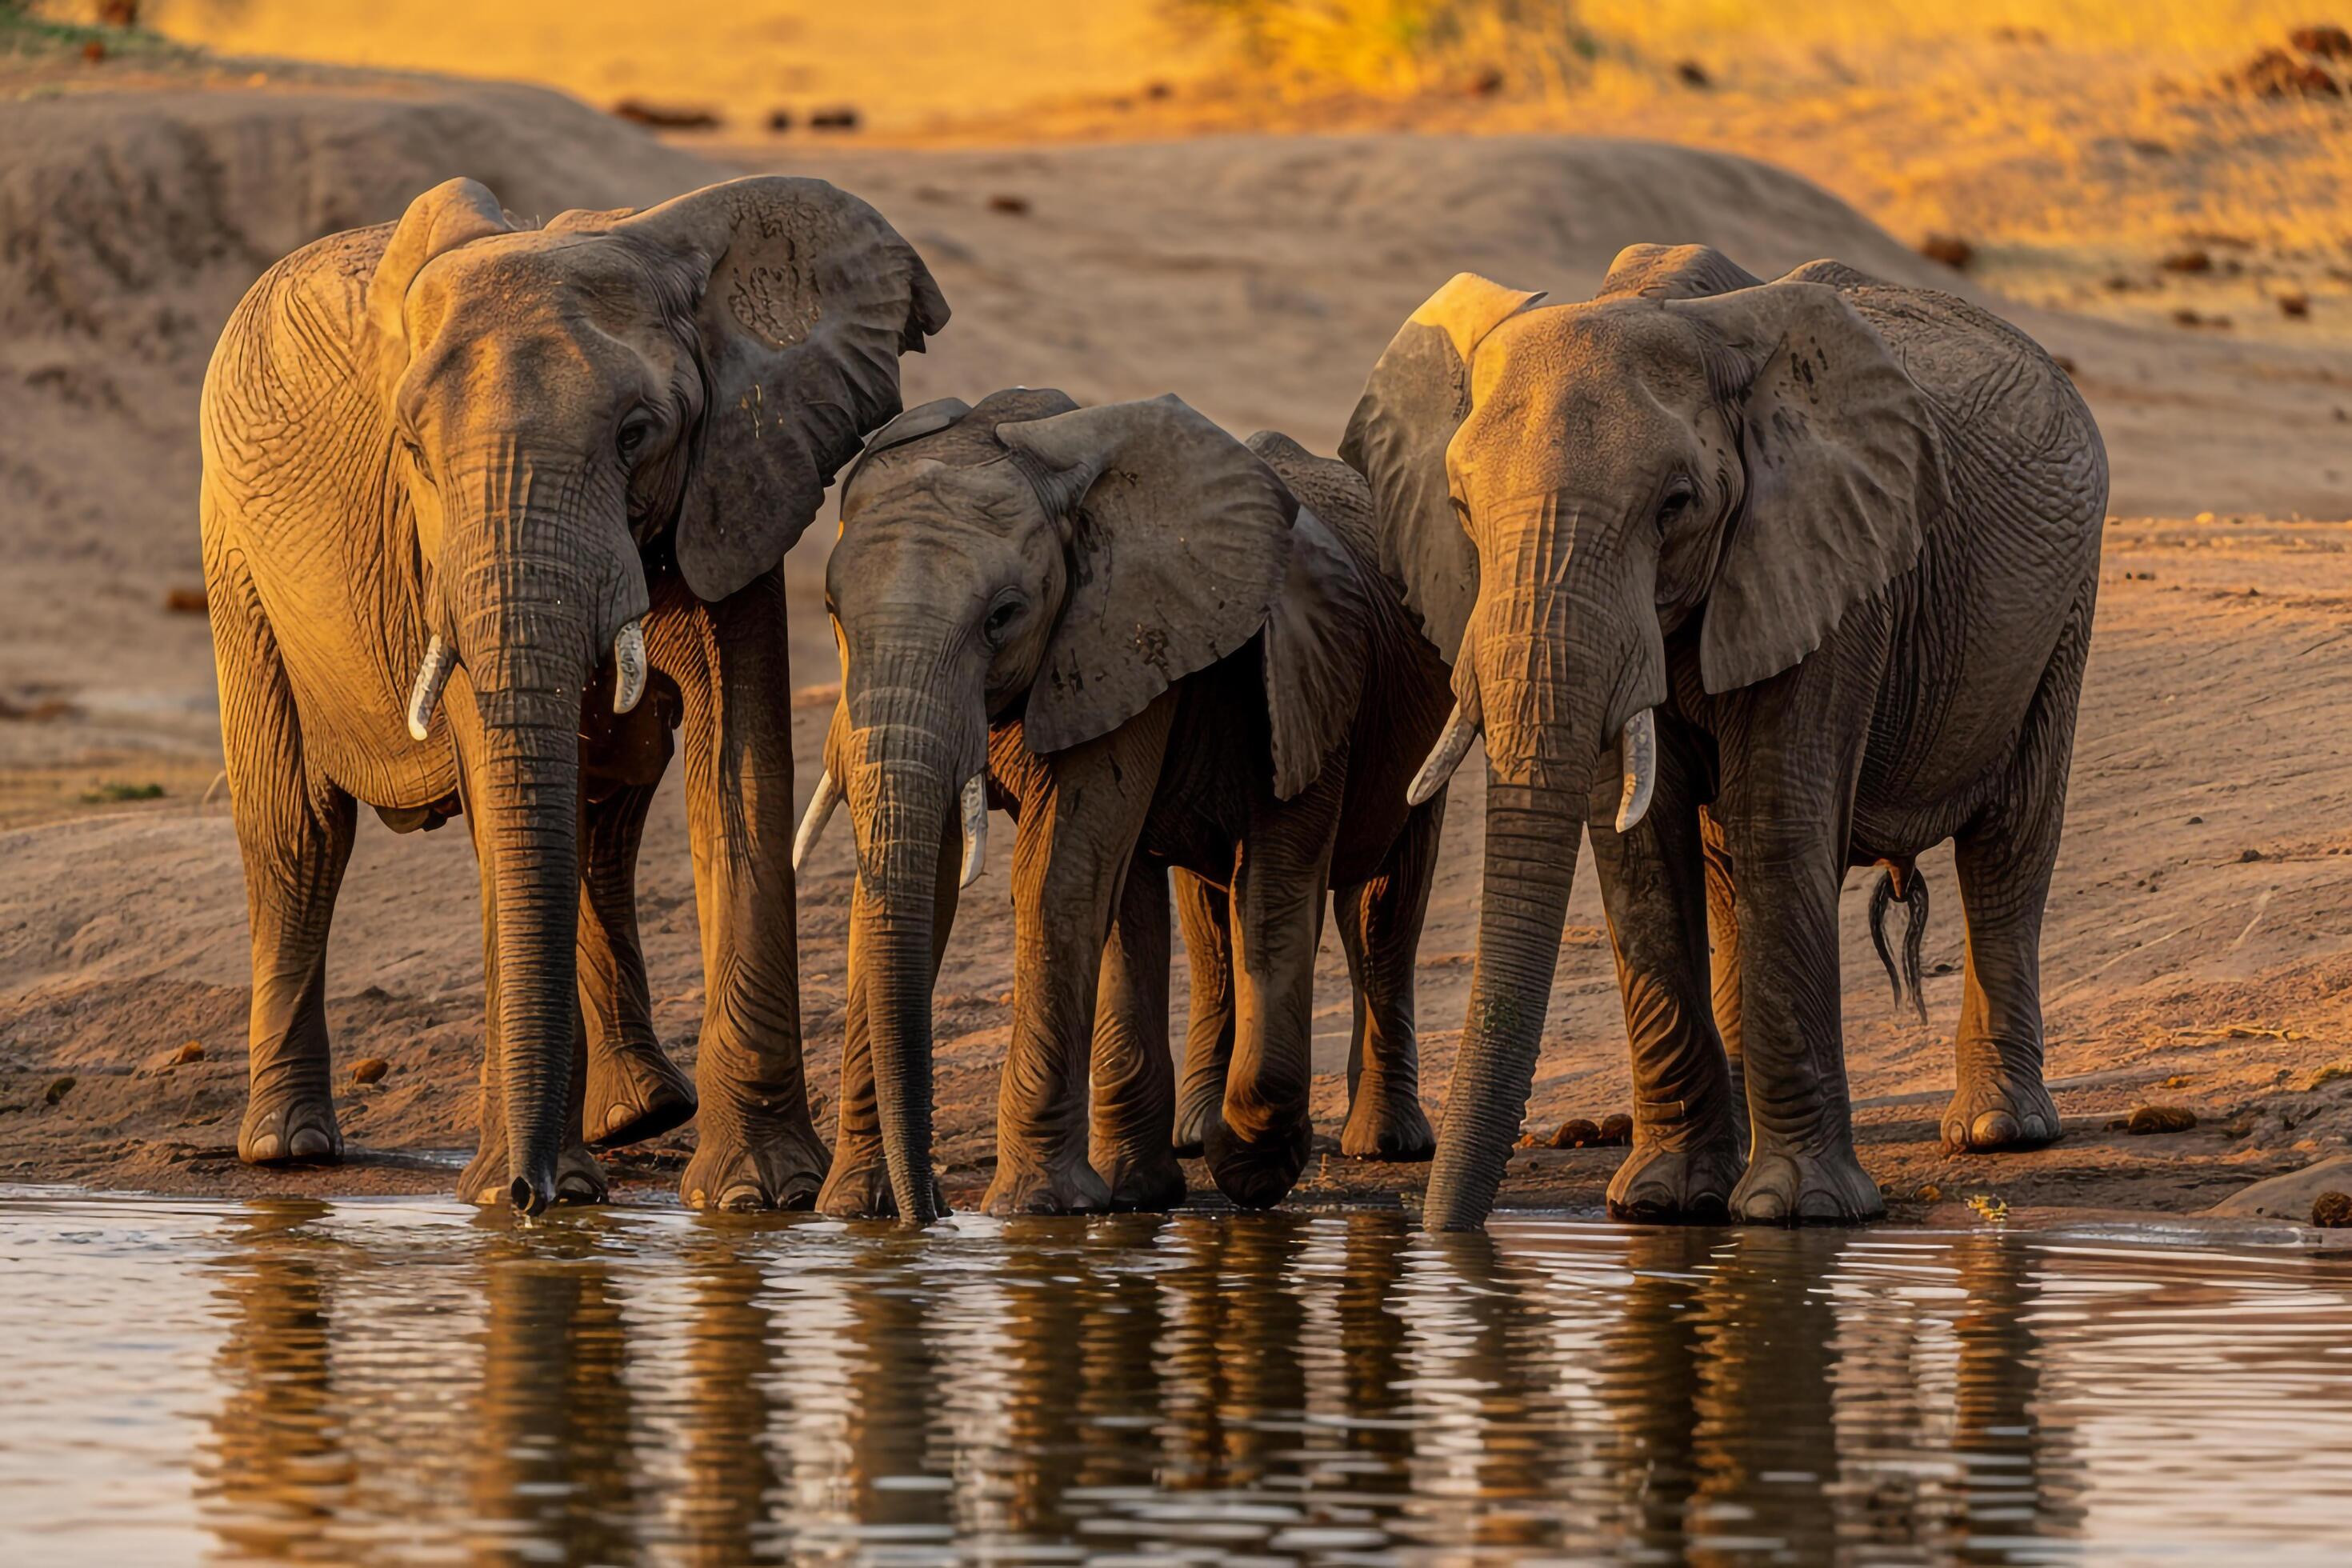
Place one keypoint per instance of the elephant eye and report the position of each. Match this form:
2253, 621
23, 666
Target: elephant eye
1676, 501
1001, 618
633, 436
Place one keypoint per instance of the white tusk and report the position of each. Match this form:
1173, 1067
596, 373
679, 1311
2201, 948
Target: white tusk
628, 666
813, 821
1444, 757
425, 695
975, 829
1637, 756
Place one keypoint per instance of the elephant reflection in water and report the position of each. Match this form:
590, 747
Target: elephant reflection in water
1235, 1380
735, 1482
281, 1474
1746, 1412
555, 1466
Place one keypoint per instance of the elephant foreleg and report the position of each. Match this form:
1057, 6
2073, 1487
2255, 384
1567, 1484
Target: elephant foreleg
756, 1146
857, 1186
634, 1091
1203, 912
1380, 929
1687, 1129
1260, 1141
295, 834
1134, 1081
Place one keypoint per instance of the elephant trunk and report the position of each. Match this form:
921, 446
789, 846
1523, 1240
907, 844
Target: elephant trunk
906, 801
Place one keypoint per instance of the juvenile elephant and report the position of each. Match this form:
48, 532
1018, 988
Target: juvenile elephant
1122, 625
471, 492
1817, 555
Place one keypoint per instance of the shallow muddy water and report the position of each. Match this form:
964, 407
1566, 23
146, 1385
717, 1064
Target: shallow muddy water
411, 1381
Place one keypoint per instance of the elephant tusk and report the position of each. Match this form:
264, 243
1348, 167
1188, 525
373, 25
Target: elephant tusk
1444, 757
975, 829
1637, 757
425, 695
813, 821
628, 666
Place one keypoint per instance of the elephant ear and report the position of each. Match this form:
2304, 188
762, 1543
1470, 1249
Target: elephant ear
1179, 538
1673, 272
811, 298
912, 425
449, 214
1844, 470
1319, 636
1415, 400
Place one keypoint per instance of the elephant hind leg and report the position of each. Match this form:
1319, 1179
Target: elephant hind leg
634, 1090
1380, 930
1134, 1085
295, 832
2004, 858
1204, 915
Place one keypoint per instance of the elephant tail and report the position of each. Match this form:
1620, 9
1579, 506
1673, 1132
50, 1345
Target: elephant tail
1901, 883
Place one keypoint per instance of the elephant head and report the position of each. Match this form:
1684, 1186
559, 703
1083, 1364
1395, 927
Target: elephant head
1062, 565
1563, 489
562, 405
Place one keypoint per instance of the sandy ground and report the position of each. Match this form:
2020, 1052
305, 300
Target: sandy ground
2199, 938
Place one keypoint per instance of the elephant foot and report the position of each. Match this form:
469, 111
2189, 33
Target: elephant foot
635, 1092
579, 1179
1194, 1112
1382, 1126
858, 1184
1662, 1185
289, 1126
1790, 1187
1992, 1111
1148, 1182
1021, 1188
738, 1170
1257, 1172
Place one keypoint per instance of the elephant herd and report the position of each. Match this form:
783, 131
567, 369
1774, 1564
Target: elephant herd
1750, 583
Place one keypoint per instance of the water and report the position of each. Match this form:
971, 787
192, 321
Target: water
413, 1382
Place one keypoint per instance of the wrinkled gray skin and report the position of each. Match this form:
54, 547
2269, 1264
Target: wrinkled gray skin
1838, 541
1126, 623
531, 447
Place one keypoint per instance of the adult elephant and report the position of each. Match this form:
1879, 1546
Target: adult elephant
1121, 625
470, 491
1817, 555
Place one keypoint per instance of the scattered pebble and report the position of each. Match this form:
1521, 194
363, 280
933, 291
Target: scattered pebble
58, 1088
841, 117
2248, 857
1017, 206
665, 116
1577, 1133
1948, 248
2294, 307
2188, 318
1157, 90
2150, 1119
2190, 261
1617, 1130
2332, 1211
1692, 74
2194, 820
779, 120
185, 602
370, 1069
193, 1051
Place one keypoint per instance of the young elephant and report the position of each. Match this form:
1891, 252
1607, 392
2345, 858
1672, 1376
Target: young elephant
1122, 625
449, 464
1817, 555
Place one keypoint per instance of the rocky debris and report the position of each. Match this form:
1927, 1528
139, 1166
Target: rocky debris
2193, 260
841, 117
1617, 1129
58, 1088
2296, 306
1582, 1132
1013, 205
779, 120
1692, 74
193, 1051
1948, 248
665, 116
2332, 1210
2157, 1118
370, 1069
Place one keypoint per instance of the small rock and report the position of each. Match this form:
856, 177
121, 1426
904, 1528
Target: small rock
1577, 1133
193, 1051
2324, 40
1616, 1130
2147, 1119
1930, 1193
58, 1088
665, 116
1157, 90
1016, 206
2195, 820
841, 117
1692, 74
2190, 261
779, 120
2249, 857
2332, 1211
2294, 307
370, 1069
1948, 248
185, 602
2188, 318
